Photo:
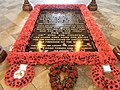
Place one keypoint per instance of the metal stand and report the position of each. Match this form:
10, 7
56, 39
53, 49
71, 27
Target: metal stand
27, 6
92, 6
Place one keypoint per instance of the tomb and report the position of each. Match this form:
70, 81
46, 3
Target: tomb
60, 30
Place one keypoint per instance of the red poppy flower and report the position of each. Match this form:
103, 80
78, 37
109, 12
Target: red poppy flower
67, 85
59, 77
60, 63
74, 68
64, 63
42, 61
69, 66
76, 75
54, 84
65, 77
51, 69
72, 75
59, 86
55, 65
65, 89
63, 69
56, 60
59, 71
54, 72
67, 71
69, 80
55, 88
75, 72
53, 78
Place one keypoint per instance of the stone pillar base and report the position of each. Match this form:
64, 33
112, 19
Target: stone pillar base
3, 54
27, 6
92, 6
116, 51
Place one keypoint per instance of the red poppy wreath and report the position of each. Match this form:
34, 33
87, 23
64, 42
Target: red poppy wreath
69, 79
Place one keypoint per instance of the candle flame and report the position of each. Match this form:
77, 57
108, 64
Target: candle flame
78, 45
40, 46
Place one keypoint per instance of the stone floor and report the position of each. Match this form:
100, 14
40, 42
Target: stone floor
12, 19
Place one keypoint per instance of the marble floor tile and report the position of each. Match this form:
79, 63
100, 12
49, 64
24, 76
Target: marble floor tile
8, 26
28, 87
1, 88
14, 30
15, 19
3, 67
6, 39
5, 87
113, 41
39, 69
4, 20
116, 34
1, 29
112, 47
8, 48
41, 82
115, 20
84, 80
23, 14
3, 11
14, 10
15, 36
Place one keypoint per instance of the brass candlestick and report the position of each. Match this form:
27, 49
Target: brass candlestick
27, 6
92, 6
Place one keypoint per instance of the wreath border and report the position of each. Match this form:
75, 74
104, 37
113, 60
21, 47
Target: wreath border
103, 56
98, 77
68, 81
18, 83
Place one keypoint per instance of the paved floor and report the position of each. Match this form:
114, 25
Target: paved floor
12, 19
